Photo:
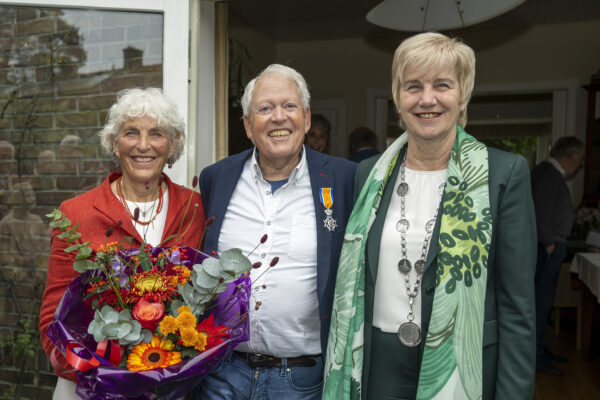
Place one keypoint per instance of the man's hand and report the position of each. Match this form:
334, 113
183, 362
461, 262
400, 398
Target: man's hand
550, 249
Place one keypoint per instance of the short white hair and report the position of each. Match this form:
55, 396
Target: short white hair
137, 103
280, 70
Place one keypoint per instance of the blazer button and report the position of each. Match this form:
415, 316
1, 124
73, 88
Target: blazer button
430, 290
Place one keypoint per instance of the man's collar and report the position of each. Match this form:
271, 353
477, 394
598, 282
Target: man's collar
557, 165
298, 171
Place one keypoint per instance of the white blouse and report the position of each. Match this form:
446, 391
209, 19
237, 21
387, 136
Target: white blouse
391, 300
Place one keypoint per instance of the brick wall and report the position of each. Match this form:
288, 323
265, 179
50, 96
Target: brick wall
51, 109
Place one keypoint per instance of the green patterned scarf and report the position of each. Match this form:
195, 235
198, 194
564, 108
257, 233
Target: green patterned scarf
452, 360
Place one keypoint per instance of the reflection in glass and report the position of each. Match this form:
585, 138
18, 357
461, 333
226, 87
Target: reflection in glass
60, 70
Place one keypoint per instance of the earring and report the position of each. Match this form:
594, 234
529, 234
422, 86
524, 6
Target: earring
170, 162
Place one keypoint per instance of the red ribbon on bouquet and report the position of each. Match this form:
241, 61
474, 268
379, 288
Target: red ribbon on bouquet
82, 364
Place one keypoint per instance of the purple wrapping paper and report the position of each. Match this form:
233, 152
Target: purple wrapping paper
109, 382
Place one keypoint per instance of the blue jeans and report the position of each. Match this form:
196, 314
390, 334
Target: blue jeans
233, 379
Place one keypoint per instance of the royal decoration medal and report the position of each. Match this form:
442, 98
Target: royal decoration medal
327, 201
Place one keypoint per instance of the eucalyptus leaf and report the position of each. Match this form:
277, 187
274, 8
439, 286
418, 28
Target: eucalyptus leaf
108, 315
205, 281
110, 331
146, 335
123, 329
212, 267
234, 260
175, 305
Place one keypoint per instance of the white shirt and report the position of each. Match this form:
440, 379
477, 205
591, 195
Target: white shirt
391, 300
557, 165
286, 323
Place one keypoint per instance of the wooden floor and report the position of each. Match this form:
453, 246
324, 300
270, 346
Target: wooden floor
581, 380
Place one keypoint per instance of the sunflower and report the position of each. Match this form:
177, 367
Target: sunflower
186, 320
156, 354
168, 325
189, 336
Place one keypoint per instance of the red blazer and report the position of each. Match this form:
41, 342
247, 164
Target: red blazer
95, 211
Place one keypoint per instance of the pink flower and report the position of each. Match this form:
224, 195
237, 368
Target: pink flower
148, 314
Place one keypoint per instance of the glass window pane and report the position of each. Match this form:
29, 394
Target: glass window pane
60, 70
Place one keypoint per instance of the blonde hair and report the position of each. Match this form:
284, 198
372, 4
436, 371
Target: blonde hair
432, 50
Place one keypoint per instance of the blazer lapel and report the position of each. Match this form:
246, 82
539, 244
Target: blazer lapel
374, 235
221, 190
321, 176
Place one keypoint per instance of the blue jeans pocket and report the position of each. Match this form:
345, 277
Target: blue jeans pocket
305, 379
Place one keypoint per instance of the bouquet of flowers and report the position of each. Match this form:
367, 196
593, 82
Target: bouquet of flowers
587, 219
137, 323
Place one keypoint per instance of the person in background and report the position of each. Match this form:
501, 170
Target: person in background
301, 199
434, 295
363, 144
144, 132
317, 137
554, 220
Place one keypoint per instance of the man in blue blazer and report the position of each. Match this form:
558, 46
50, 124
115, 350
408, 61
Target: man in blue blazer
301, 199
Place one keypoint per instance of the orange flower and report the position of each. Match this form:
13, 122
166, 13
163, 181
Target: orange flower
110, 248
201, 343
168, 325
189, 336
183, 309
148, 314
156, 354
186, 320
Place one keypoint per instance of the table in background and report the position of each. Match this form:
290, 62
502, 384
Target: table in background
587, 267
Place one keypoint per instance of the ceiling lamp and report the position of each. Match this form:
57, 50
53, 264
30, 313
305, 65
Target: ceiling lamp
427, 15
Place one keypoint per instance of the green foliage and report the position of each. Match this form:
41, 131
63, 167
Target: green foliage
109, 324
211, 278
525, 146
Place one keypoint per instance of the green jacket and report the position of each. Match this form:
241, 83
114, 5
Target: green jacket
509, 321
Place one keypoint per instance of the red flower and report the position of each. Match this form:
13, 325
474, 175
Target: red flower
214, 333
148, 314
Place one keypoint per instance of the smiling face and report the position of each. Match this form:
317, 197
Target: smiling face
430, 104
276, 121
316, 138
142, 149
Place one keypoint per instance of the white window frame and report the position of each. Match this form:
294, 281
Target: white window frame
175, 51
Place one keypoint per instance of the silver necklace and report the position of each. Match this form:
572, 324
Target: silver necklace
409, 333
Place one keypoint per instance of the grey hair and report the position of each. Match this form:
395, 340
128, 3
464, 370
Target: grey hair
137, 103
281, 70
566, 146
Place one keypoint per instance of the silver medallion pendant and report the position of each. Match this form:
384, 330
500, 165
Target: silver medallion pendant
420, 266
402, 225
404, 266
409, 334
402, 189
430, 225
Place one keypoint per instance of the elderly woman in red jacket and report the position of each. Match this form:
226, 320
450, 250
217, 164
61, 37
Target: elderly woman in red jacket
143, 132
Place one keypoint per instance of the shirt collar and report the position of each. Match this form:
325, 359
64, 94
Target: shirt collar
297, 173
557, 166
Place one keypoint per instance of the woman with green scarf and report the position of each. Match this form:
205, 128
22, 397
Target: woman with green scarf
434, 293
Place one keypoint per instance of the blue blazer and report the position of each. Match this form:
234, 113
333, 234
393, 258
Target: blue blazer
218, 181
